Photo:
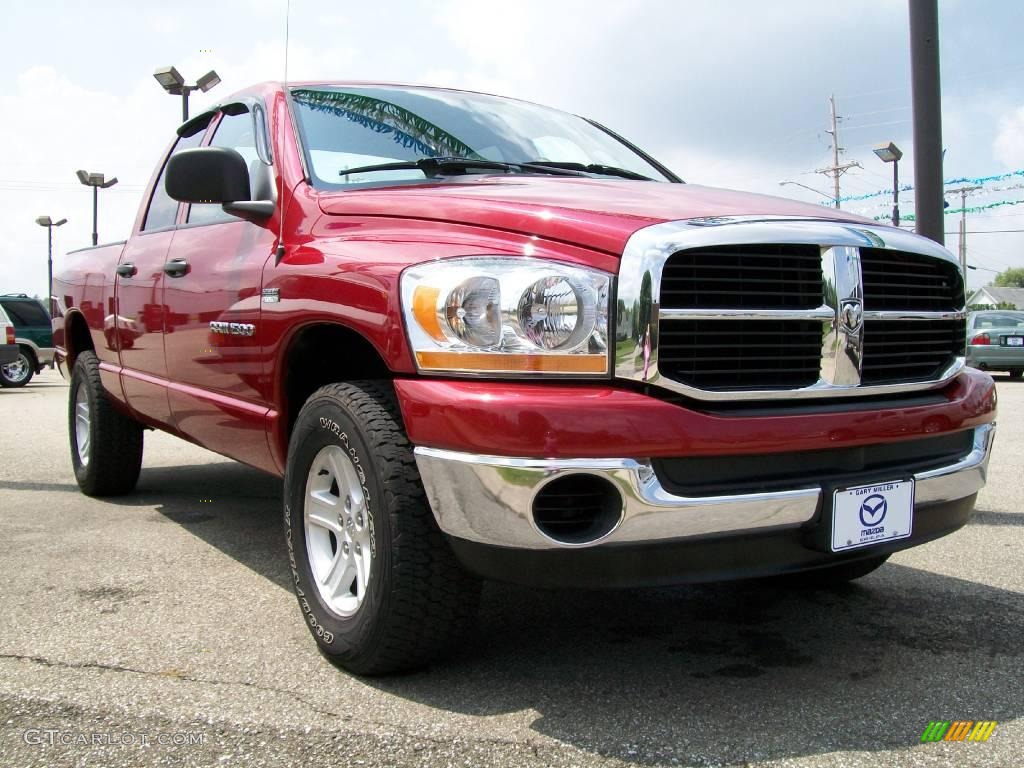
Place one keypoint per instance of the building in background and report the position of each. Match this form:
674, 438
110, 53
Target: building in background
997, 298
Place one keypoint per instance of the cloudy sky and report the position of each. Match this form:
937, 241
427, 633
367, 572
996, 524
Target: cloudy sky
730, 93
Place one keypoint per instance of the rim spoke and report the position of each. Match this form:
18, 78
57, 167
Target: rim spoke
362, 573
336, 464
322, 512
340, 576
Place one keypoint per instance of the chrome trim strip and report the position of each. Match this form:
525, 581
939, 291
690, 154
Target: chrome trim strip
842, 354
822, 313
638, 311
911, 315
488, 499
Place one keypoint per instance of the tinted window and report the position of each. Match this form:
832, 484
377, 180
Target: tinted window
25, 313
233, 132
162, 209
345, 128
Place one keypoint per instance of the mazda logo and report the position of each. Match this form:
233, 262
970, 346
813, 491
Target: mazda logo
872, 510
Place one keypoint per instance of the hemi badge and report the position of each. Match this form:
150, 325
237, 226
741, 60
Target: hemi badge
271, 295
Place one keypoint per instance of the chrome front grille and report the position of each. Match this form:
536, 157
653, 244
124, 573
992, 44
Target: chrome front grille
733, 308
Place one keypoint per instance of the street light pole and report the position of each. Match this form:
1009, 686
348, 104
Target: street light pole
46, 221
895, 193
97, 181
890, 153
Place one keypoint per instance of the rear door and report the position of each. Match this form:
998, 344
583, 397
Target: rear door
213, 343
135, 325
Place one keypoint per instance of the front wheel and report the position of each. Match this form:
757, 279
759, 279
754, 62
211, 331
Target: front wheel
19, 373
1015, 373
378, 585
106, 445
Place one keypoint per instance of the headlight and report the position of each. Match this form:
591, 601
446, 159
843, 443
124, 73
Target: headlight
507, 315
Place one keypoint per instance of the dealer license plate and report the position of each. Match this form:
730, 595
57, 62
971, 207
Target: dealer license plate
1015, 341
872, 514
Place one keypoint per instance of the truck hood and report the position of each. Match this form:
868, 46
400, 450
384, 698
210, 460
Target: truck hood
594, 213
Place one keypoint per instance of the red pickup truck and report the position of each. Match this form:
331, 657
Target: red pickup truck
481, 337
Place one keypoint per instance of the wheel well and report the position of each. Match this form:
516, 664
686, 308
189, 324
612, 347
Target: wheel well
31, 353
77, 337
326, 354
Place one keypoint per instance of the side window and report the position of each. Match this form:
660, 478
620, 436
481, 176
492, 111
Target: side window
233, 132
27, 313
162, 209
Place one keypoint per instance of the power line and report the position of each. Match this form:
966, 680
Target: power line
988, 231
876, 125
877, 112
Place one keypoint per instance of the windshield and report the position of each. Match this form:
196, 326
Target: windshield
355, 127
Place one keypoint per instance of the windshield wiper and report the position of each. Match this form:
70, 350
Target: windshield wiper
601, 170
434, 166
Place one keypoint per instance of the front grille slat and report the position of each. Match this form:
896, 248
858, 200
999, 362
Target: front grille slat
743, 277
909, 281
737, 354
778, 354
898, 351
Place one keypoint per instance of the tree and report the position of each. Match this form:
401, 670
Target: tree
1011, 278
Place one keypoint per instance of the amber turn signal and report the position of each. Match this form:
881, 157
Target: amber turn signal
480, 362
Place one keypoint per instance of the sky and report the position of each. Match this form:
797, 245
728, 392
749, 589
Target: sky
732, 93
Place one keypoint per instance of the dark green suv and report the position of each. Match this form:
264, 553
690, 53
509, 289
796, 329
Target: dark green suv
33, 335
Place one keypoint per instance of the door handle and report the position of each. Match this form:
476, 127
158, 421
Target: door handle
126, 270
176, 267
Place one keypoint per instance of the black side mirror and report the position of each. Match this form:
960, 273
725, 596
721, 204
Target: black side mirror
214, 175
207, 175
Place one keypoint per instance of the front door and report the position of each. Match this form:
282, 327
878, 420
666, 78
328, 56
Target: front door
213, 340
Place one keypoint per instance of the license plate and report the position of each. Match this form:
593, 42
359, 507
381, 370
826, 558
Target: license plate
872, 514
1015, 341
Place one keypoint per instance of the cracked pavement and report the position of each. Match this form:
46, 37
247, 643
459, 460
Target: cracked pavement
167, 614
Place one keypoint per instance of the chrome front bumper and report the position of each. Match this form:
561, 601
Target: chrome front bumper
488, 499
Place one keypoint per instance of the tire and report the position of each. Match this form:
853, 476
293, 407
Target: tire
1016, 373
106, 445
20, 372
407, 600
831, 576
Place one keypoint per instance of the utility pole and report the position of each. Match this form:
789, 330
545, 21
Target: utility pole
962, 191
927, 98
836, 170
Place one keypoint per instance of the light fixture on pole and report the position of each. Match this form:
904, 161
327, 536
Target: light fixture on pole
172, 82
46, 221
812, 189
890, 153
97, 181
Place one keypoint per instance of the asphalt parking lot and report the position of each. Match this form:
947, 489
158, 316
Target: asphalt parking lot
164, 623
